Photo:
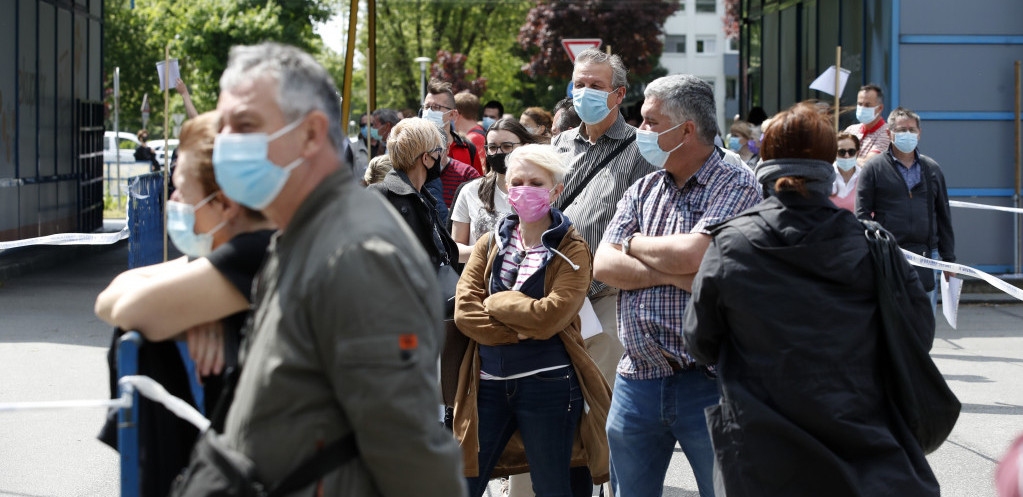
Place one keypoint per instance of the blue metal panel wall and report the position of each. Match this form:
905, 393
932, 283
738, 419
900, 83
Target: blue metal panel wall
954, 66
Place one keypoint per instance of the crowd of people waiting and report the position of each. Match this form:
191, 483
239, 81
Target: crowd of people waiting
607, 283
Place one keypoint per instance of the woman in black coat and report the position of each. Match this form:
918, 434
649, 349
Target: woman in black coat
784, 303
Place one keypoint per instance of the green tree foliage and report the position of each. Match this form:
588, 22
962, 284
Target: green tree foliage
483, 31
199, 33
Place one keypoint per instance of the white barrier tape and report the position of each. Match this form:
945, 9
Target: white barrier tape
921, 261
70, 239
971, 205
124, 401
155, 392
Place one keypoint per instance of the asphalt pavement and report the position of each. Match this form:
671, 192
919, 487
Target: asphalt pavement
52, 347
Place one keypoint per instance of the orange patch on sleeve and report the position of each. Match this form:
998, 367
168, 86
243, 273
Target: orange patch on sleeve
408, 341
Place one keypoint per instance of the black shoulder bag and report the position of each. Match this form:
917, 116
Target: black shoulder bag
216, 470
917, 390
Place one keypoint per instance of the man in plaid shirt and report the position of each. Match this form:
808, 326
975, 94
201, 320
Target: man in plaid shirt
651, 251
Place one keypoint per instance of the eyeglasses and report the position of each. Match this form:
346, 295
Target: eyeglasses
505, 147
847, 152
436, 107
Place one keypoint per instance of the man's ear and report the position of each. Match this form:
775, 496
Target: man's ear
317, 134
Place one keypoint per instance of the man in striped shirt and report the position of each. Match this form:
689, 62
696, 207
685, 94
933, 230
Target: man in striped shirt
871, 131
604, 162
651, 251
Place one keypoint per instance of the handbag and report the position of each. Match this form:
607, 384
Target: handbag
919, 393
216, 470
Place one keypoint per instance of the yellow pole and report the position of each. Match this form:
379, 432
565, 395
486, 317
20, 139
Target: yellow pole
838, 80
346, 92
371, 74
166, 126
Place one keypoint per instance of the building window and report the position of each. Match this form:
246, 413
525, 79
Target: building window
705, 45
731, 88
706, 6
675, 44
733, 44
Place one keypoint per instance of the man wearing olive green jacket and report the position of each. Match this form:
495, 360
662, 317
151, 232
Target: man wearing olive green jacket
347, 329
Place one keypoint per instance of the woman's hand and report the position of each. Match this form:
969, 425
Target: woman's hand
206, 347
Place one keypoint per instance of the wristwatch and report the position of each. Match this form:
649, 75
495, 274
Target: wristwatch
627, 243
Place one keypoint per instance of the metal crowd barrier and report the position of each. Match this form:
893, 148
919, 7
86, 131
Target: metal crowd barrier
128, 417
145, 218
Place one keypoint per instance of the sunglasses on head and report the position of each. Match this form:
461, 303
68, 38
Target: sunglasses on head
847, 152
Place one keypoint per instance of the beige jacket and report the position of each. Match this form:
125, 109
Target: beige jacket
506, 315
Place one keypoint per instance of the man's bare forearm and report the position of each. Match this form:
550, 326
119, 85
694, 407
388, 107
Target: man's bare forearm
672, 254
619, 270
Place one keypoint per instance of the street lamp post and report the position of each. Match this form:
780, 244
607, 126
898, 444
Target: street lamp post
423, 61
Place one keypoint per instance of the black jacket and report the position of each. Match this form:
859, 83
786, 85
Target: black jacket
419, 210
920, 219
784, 302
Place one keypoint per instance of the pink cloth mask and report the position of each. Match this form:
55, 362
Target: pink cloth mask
530, 202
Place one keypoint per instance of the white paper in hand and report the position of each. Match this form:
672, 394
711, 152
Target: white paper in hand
172, 78
950, 299
826, 81
590, 324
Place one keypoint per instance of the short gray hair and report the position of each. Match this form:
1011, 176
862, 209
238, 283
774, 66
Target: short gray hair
303, 85
594, 56
902, 113
543, 156
684, 97
389, 116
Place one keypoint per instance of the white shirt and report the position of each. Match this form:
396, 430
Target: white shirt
843, 188
469, 208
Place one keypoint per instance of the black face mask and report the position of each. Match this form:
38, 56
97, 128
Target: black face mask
433, 172
496, 163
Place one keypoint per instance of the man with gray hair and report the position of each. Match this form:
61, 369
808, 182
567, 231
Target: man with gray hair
605, 161
326, 357
651, 251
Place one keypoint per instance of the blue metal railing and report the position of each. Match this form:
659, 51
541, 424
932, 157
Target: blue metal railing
145, 213
128, 417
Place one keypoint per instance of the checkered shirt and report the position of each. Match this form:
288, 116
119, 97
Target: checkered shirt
650, 319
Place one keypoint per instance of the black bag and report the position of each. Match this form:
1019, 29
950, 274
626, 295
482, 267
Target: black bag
913, 383
218, 471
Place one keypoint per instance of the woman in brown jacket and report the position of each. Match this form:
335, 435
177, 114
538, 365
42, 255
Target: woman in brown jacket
529, 397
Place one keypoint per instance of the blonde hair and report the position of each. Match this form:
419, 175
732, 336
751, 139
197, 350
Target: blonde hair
409, 140
544, 156
379, 166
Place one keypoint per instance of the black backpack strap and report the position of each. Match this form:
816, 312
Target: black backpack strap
325, 461
593, 172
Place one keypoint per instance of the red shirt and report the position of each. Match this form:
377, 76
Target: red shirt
456, 173
459, 150
478, 137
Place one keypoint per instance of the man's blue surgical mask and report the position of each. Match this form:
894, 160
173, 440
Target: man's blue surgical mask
181, 228
734, 144
243, 170
434, 116
905, 141
650, 150
590, 104
865, 114
488, 122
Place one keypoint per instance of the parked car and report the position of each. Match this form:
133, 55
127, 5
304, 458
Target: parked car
111, 148
158, 147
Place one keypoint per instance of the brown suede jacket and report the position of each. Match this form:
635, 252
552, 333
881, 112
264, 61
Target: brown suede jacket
498, 319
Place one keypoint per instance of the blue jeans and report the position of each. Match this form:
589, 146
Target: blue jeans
646, 418
545, 408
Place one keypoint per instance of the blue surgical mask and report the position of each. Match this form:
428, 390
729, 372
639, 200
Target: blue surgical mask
181, 228
434, 116
865, 114
373, 133
734, 144
590, 104
845, 163
488, 122
650, 150
905, 141
243, 170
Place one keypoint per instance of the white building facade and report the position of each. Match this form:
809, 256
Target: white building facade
695, 43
